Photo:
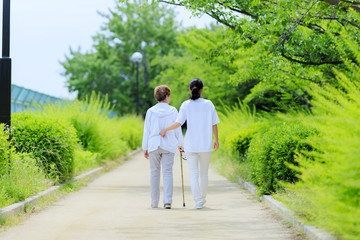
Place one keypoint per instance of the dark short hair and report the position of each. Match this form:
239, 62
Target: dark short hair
195, 86
161, 92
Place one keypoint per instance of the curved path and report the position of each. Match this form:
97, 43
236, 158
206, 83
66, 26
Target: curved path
117, 206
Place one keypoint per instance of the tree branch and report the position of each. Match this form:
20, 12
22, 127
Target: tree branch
239, 11
311, 63
338, 19
340, 2
176, 4
293, 74
215, 16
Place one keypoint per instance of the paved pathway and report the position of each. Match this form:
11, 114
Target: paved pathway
117, 206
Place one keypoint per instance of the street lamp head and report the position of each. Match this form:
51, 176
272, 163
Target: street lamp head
136, 57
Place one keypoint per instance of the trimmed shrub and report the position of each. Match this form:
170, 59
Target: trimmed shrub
271, 152
50, 140
5, 149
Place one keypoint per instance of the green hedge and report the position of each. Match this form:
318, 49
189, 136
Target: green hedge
272, 151
51, 141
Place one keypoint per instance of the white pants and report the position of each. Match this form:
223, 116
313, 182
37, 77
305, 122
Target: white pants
198, 167
166, 159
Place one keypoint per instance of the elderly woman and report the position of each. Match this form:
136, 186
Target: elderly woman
160, 151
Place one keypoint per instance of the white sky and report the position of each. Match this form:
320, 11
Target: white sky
43, 30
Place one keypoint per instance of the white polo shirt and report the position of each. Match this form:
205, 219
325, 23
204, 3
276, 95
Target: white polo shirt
200, 115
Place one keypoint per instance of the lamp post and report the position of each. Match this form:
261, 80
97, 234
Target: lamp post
5, 67
137, 58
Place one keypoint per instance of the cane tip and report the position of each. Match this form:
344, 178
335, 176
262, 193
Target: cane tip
183, 204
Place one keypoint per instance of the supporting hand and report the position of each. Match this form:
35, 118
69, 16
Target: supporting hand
163, 132
146, 154
181, 149
169, 128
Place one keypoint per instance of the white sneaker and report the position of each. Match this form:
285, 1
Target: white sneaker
167, 206
198, 206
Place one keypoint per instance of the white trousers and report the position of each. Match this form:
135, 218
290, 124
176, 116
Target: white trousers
198, 168
157, 159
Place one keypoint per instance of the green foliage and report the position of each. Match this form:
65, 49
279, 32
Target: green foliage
130, 130
271, 152
275, 50
194, 61
99, 134
23, 179
5, 150
233, 120
329, 191
50, 140
45, 145
84, 160
132, 26
240, 141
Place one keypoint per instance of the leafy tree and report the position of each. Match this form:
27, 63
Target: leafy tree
284, 45
132, 26
196, 60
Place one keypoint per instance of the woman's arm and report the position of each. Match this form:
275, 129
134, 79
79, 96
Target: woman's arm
170, 127
216, 141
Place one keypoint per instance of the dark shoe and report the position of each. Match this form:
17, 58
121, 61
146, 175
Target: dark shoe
167, 206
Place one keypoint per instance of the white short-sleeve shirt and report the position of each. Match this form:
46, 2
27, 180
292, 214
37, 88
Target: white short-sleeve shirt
200, 115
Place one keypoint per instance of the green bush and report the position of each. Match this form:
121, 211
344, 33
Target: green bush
271, 152
23, 179
240, 140
5, 150
51, 141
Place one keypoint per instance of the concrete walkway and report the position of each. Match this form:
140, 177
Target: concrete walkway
117, 206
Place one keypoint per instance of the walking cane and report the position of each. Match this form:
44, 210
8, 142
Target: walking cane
182, 179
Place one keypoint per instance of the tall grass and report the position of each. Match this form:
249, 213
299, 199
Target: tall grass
23, 179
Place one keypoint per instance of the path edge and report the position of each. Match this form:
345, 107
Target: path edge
19, 207
311, 232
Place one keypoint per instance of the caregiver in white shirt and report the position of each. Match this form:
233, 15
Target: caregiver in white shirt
202, 121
